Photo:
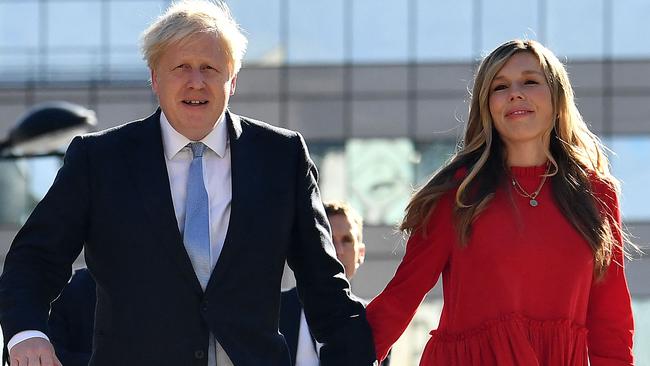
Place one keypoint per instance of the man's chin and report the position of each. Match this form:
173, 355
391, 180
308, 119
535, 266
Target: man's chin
200, 120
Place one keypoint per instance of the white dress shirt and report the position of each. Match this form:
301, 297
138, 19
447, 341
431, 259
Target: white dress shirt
216, 176
218, 184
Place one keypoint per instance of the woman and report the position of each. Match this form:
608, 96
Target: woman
524, 226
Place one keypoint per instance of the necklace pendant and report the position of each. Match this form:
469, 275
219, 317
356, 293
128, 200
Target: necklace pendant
533, 202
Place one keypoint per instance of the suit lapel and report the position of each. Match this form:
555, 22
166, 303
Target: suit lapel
146, 161
239, 165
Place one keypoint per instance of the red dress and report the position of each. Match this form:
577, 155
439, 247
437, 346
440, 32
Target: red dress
521, 293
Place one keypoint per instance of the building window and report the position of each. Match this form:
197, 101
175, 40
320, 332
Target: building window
444, 30
502, 20
260, 20
19, 27
575, 28
315, 32
629, 27
379, 32
631, 155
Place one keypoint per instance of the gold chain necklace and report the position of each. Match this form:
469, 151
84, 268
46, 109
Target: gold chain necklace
532, 196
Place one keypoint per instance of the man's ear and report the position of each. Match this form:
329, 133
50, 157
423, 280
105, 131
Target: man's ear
362, 253
233, 85
154, 82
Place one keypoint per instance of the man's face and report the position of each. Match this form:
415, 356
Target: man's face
349, 249
193, 82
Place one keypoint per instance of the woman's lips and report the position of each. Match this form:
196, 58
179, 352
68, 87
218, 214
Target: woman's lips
518, 113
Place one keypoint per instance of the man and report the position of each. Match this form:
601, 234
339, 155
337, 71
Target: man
186, 218
347, 235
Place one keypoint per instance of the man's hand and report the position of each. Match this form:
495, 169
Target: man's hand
33, 352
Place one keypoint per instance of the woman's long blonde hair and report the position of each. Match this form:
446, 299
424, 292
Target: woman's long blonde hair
575, 155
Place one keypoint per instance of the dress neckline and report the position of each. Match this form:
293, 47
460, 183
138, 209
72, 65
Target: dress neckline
528, 171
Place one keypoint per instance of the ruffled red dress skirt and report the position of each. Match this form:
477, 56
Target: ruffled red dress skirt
510, 341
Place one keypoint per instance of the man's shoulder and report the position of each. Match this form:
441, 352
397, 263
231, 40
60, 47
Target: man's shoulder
127, 128
106, 142
252, 125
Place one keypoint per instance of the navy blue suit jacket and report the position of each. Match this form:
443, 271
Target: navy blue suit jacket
72, 320
290, 310
112, 198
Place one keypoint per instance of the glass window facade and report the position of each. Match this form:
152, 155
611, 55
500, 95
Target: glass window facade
576, 28
72, 51
16, 29
262, 23
19, 39
377, 36
44, 34
630, 155
444, 30
126, 21
628, 34
315, 32
85, 22
503, 20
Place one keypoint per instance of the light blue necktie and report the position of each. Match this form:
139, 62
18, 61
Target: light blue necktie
196, 234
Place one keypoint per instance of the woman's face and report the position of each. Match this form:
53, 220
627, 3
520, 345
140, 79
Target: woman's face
520, 102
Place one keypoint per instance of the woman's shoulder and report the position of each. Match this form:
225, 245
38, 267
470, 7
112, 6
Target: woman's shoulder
604, 189
601, 184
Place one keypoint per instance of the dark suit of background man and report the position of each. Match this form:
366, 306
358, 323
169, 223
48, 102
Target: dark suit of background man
185, 287
347, 235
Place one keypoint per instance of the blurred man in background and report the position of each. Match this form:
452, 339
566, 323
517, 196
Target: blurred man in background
347, 235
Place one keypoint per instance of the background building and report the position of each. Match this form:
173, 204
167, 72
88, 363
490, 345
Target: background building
378, 88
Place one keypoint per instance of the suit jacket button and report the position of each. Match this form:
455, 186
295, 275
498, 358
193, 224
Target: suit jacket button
204, 305
199, 354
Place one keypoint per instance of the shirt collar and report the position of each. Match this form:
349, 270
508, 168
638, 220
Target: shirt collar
174, 142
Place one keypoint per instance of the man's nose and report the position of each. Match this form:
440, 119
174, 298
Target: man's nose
196, 79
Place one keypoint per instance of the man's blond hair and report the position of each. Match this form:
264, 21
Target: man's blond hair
184, 19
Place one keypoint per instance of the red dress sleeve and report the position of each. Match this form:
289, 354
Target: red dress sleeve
609, 315
426, 256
